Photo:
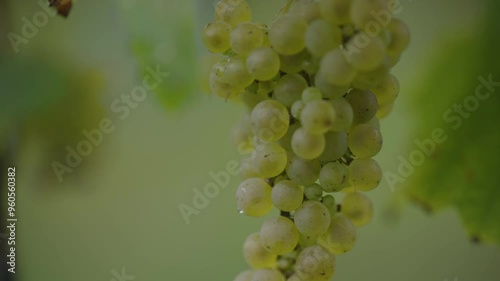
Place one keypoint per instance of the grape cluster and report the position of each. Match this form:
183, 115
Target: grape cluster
315, 82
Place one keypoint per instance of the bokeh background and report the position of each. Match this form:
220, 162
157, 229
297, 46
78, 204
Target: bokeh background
120, 208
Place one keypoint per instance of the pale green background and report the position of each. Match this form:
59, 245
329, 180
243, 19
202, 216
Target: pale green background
124, 212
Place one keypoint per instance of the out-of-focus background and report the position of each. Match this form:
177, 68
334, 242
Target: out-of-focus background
118, 210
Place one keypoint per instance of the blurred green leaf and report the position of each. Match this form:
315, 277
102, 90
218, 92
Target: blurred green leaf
462, 172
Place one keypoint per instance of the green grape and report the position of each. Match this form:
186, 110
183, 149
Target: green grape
266, 87
336, 11
311, 94
263, 63
333, 177
312, 218
236, 74
335, 68
242, 132
245, 37
286, 140
296, 109
364, 174
294, 277
364, 14
279, 235
365, 141
307, 241
340, 236
270, 120
303, 172
400, 37
267, 275
343, 115
364, 53
250, 98
384, 110
321, 37
307, 10
374, 122
315, 263
366, 80
246, 169
328, 90
216, 36
256, 255
220, 88
269, 160
289, 88
254, 197
313, 192
387, 91
306, 145
287, 196
294, 63
287, 34
244, 276
330, 204
364, 105
233, 11
335, 146
348, 30
311, 64
317, 117
358, 208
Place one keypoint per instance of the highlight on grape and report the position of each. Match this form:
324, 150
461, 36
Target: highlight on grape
311, 128
455, 116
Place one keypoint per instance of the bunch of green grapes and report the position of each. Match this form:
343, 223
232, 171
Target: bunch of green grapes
315, 81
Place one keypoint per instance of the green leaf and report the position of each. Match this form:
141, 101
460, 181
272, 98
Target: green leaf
462, 173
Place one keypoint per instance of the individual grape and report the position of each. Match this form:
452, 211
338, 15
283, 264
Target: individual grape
256, 255
244, 276
313, 192
311, 94
287, 34
387, 91
365, 53
306, 145
328, 90
330, 204
307, 10
335, 68
287, 196
333, 177
246, 169
311, 64
270, 120
263, 63
303, 172
312, 218
250, 98
221, 88
400, 37
366, 80
296, 109
365, 141
315, 264
317, 117
364, 12
236, 74
279, 235
340, 236
335, 146
364, 174
321, 37
216, 36
233, 11
267, 275
289, 88
254, 197
364, 105
384, 110
358, 208
269, 160
294, 63
286, 140
207, 63
343, 115
245, 37
336, 11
